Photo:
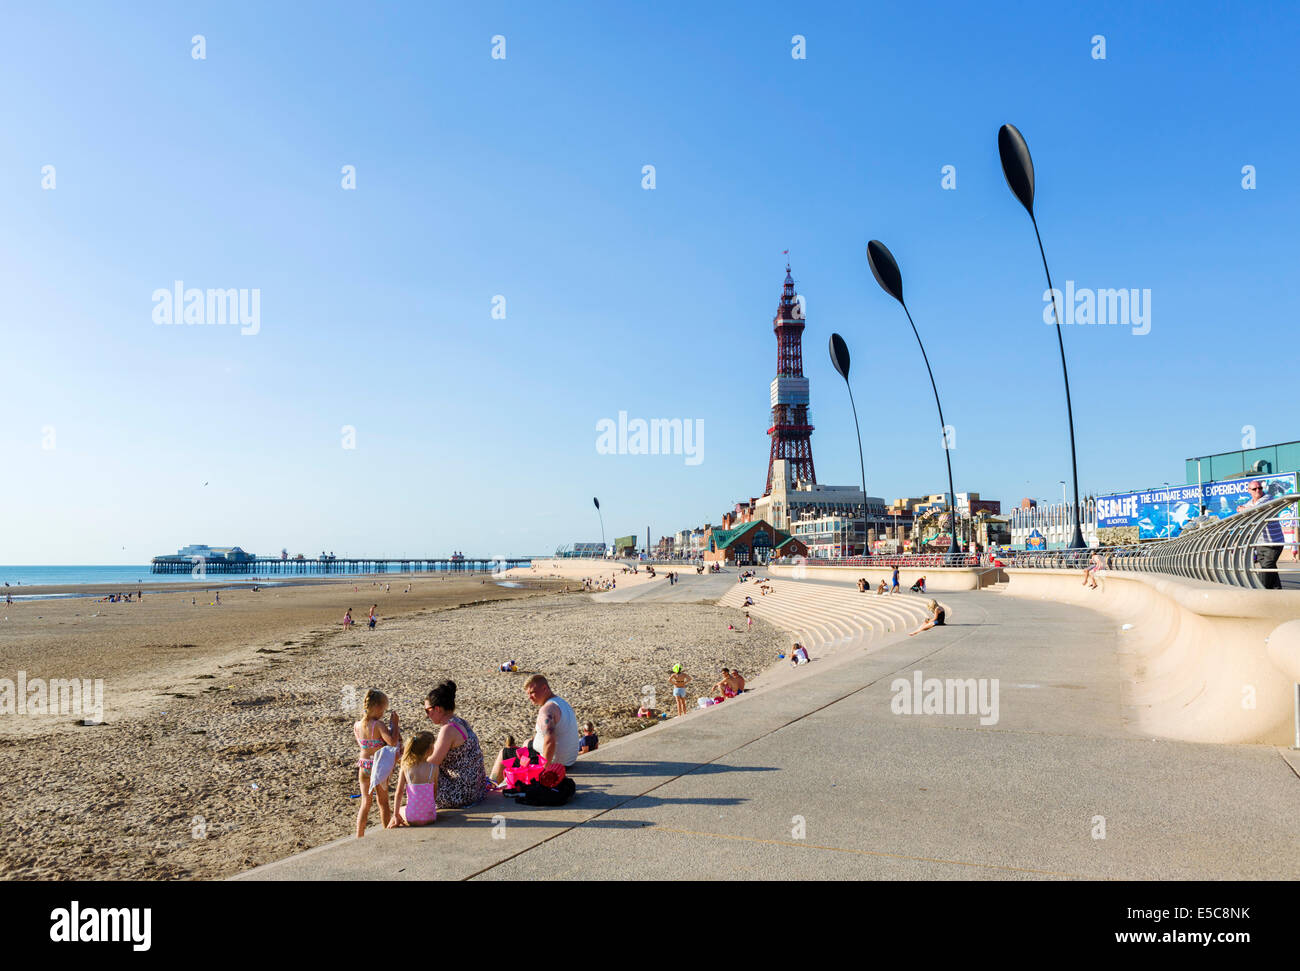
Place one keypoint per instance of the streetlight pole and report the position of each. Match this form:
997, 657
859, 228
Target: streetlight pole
1018, 168
840, 359
1065, 508
885, 269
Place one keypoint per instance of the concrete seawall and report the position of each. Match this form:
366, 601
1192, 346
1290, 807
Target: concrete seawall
937, 578
1197, 653
1207, 662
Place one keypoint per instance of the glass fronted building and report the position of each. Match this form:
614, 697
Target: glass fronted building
1268, 460
831, 536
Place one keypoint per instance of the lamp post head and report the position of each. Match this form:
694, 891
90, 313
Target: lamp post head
596, 501
1017, 166
840, 355
885, 269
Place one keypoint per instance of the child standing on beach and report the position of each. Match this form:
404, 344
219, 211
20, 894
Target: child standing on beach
347, 618
373, 733
373, 618
679, 681
417, 779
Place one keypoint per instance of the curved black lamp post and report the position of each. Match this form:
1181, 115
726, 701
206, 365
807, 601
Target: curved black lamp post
1018, 168
885, 269
840, 358
604, 548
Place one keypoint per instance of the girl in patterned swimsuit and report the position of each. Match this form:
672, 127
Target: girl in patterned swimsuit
418, 780
373, 733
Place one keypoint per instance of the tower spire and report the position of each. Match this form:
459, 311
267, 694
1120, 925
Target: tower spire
791, 432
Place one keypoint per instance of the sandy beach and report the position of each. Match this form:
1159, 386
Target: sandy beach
227, 741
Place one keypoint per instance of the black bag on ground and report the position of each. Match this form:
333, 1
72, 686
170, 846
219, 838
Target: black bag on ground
536, 794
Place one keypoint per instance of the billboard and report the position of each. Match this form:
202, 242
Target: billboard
1162, 513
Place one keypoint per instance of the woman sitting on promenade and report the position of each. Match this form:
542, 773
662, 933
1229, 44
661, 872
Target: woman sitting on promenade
457, 753
936, 618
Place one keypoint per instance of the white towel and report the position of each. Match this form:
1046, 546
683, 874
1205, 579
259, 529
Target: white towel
385, 759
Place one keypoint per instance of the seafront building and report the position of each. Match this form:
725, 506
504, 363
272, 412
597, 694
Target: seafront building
752, 543
229, 554
1051, 526
1264, 460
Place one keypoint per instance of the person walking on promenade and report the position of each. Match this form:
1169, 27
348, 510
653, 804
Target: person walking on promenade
1267, 556
1094, 568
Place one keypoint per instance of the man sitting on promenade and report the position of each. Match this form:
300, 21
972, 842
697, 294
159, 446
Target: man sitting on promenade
555, 736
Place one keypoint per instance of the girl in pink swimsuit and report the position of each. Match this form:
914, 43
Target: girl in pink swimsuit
418, 781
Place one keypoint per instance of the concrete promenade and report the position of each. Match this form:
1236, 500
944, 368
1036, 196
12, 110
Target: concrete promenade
812, 776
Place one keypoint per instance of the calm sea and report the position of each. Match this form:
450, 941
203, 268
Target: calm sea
128, 577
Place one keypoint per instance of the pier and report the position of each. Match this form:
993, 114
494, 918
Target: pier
259, 566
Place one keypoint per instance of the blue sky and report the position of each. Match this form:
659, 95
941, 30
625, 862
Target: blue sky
523, 177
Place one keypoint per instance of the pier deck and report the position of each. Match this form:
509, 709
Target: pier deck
275, 566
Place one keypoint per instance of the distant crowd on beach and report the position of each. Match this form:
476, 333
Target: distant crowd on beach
112, 598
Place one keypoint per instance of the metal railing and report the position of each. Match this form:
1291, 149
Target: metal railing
1232, 551
1227, 551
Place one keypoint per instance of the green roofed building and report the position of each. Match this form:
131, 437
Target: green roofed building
752, 542
625, 546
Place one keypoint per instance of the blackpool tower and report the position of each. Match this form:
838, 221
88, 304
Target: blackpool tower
790, 432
